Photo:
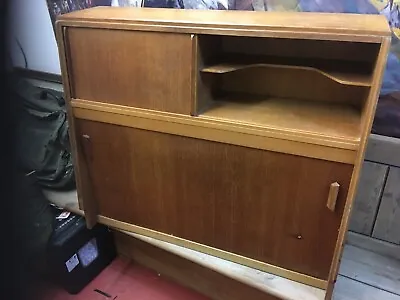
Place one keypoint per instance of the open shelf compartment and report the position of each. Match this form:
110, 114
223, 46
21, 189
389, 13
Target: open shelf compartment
291, 115
298, 87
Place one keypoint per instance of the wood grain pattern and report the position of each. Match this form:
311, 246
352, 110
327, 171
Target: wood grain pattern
294, 83
209, 193
181, 264
281, 276
290, 115
367, 117
369, 192
62, 42
342, 78
332, 196
349, 27
85, 150
243, 67
212, 130
348, 289
345, 288
387, 225
240, 259
383, 149
116, 113
370, 268
205, 86
131, 68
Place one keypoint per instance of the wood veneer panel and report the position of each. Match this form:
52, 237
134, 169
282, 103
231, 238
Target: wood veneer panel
352, 79
354, 27
289, 115
292, 83
255, 203
141, 69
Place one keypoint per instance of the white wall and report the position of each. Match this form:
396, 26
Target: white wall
30, 23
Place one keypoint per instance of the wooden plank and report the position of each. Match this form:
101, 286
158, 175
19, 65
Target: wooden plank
349, 289
210, 275
217, 130
374, 245
342, 78
80, 173
371, 268
304, 85
308, 118
369, 192
383, 149
339, 141
387, 225
282, 23
368, 113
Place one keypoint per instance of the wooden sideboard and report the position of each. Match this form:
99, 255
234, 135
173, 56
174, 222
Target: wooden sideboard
238, 134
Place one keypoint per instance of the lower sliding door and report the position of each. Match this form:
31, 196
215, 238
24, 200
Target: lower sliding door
268, 206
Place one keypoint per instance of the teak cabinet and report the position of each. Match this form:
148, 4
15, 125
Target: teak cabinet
240, 134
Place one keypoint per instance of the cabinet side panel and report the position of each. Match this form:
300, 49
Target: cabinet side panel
62, 43
367, 119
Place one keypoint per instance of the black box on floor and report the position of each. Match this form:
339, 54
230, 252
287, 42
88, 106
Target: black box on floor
77, 254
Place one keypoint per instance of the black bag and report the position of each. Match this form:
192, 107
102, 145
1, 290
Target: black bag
33, 222
43, 148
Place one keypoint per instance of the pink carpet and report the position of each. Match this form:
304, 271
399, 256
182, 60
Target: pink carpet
123, 280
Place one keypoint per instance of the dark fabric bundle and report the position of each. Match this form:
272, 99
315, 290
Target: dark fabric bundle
42, 141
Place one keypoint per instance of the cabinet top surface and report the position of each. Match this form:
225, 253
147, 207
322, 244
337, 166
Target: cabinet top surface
205, 21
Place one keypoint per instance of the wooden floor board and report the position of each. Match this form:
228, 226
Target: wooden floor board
349, 289
369, 192
371, 268
374, 245
387, 224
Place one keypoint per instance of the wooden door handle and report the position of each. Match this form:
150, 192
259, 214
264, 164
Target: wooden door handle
332, 197
87, 147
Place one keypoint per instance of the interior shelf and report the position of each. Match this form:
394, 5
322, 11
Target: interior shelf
309, 91
333, 120
340, 77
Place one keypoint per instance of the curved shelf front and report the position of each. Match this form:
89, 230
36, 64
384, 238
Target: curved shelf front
354, 79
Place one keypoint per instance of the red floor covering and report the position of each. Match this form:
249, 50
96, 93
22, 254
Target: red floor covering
123, 280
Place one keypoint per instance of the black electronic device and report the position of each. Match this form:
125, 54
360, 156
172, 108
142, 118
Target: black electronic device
77, 254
